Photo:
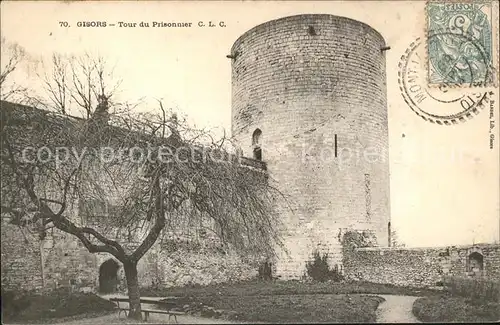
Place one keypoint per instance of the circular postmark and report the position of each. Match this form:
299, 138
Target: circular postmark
457, 59
444, 104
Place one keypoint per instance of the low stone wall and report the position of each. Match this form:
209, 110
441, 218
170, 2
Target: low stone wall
167, 268
419, 267
67, 263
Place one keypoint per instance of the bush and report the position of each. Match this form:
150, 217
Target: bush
454, 309
478, 290
55, 304
266, 271
13, 303
358, 239
319, 270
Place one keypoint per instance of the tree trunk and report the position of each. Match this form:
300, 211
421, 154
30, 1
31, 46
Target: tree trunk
133, 290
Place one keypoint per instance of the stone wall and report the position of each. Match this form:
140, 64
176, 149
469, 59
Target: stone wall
202, 264
21, 261
418, 267
67, 263
315, 87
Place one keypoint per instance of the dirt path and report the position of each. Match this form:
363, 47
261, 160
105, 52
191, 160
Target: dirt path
153, 318
396, 309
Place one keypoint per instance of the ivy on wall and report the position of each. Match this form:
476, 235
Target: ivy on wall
353, 239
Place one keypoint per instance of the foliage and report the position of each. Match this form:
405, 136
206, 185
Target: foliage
467, 300
266, 271
278, 287
12, 56
352, 239
79, 84
395, 241
56, 304
12, 303
319, 270
476, 290
454, 309
284, 308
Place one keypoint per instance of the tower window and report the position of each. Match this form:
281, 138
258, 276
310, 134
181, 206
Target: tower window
311, 31
389, 240
368, 198
257, 153
256, 144
475, 264
256, 137
335, 145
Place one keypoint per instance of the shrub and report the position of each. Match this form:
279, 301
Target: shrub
266, 271
454, 309
358, 239
54, 304
13, 303
319, 270
478, 290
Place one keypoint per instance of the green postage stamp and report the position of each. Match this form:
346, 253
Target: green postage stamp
460, 43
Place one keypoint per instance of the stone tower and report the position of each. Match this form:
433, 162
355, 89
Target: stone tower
309, 99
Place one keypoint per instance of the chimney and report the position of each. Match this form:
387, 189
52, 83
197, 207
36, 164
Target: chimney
174, 137
101, 113
173, 123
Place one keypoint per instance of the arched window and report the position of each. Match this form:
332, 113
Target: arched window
257, 134
476, 264
257, 153
108, 276
256, 144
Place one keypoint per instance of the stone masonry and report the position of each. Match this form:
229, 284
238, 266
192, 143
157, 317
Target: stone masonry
421, 267
66, 263
310, 92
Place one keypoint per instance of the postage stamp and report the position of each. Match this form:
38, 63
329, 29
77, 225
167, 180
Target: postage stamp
443, 105
460, 44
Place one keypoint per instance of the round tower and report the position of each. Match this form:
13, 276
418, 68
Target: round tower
309, 99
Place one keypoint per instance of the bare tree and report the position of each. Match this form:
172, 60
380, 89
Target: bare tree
395, 242
12, 57
79, 83
155, 172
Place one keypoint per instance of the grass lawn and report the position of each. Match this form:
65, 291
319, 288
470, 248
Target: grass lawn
285, 301
56, 305
447, 308
299, 308
266, 288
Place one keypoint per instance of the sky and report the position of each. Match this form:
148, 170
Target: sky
436, 199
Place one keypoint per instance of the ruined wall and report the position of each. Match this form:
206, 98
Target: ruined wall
315, 86
67, 263
21, 268
184, 263
418, 267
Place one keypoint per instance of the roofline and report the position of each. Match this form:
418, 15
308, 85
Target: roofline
271, 22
